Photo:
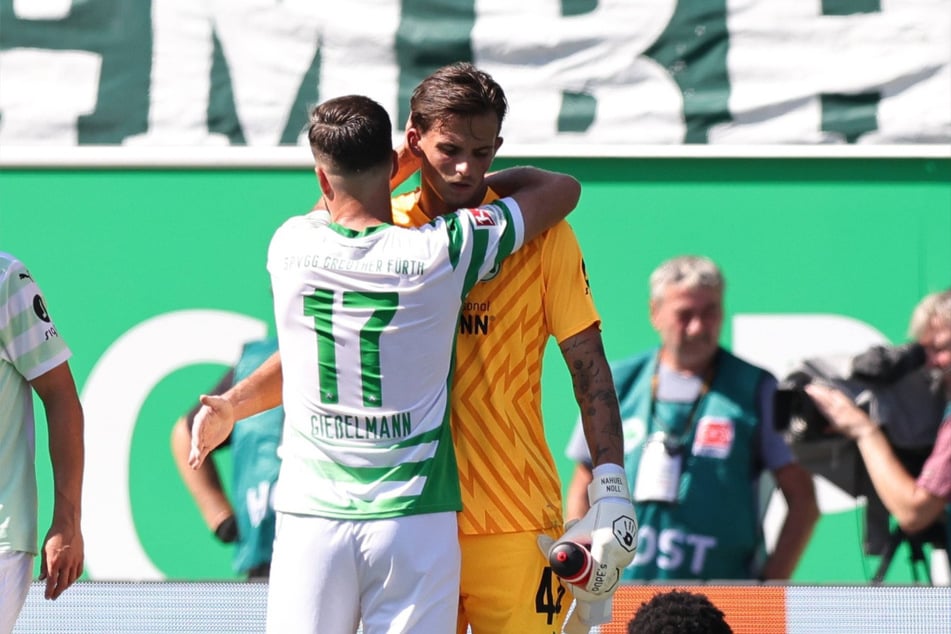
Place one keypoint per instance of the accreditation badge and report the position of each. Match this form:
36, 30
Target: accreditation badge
658, 472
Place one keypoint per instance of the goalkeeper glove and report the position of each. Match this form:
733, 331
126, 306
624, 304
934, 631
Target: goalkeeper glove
609, 527
572, 562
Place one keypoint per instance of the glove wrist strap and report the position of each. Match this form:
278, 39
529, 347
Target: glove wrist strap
608, 481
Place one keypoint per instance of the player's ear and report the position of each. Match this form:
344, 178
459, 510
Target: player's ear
396, 164
324, 182
412, 140
498, 143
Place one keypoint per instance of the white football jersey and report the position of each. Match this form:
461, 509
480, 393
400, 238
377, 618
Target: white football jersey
366, 324
30, 346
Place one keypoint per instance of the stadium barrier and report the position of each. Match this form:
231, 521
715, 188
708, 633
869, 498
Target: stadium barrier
239, 607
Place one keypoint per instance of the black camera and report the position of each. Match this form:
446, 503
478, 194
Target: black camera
863, 378
885, 365
795, 411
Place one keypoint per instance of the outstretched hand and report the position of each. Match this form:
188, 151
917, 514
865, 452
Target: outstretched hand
212, 426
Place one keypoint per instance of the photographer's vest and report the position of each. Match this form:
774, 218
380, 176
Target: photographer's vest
711, 532
255, 465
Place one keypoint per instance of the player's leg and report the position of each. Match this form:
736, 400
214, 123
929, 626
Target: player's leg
313, 584
410, 578
16, 568
507, 585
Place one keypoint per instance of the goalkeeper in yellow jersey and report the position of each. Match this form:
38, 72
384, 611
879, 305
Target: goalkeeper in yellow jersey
511, 492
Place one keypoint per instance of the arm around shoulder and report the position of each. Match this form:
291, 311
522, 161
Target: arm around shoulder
544, 197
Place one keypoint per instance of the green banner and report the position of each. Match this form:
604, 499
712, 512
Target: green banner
156, 276
611, 72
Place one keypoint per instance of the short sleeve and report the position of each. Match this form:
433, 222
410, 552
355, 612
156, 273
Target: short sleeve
935, 475
569, 304
29, 340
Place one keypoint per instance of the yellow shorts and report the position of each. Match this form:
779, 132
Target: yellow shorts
507, 586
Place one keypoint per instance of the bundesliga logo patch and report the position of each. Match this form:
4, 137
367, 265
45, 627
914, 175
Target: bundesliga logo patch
714, 437
483, 218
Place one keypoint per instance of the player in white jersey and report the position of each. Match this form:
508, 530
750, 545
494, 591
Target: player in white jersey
372, 440
34, 357
366, 317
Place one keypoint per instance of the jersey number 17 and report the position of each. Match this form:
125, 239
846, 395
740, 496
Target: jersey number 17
382, 307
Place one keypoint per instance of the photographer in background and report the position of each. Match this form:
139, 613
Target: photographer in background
915, 503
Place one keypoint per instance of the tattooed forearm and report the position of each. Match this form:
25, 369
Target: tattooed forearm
595, 394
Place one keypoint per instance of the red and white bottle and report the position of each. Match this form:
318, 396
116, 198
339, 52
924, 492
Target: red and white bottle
571, 562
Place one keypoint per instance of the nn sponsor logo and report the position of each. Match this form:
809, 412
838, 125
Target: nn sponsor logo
474, 324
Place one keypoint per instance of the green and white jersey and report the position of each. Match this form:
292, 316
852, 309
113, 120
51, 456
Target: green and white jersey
29, 347
366, 324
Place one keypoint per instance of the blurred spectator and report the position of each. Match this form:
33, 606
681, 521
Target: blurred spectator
915, 503
248, 520
678, 612
34, 357
698, 434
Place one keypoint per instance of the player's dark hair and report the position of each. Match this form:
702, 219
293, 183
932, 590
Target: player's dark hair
678, 612
353, 133
458, 89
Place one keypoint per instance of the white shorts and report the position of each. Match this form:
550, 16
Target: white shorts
16, 570
398, 575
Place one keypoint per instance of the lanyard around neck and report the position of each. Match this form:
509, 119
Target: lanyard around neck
694, 408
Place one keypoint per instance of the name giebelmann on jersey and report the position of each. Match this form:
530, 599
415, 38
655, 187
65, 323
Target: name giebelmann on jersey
398, 425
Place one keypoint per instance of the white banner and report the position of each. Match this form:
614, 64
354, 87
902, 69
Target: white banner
609, 72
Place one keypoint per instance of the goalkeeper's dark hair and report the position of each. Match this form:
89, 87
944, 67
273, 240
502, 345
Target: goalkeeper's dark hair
351, 134
458, 89
678, 612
